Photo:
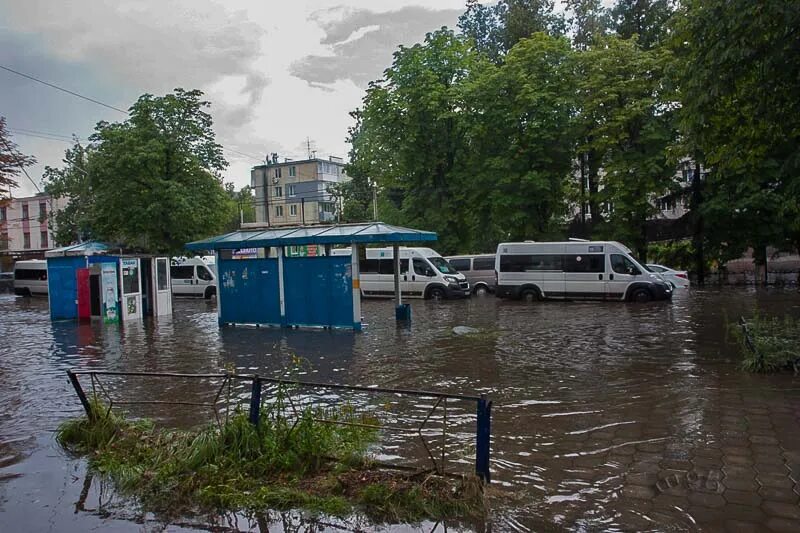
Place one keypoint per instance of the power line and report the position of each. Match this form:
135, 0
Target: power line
19, 163
57, 87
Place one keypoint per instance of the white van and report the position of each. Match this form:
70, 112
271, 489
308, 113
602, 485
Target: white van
599, 270
429, 275
30, 277
193, 277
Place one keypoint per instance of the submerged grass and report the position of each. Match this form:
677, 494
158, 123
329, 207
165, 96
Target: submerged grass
281, 464
769, 344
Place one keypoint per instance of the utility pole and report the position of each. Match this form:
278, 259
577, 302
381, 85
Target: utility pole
375, 202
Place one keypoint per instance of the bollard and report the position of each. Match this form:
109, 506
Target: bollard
255, 400
81, 395
482, 439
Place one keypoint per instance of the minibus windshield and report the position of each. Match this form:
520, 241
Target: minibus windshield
442, 265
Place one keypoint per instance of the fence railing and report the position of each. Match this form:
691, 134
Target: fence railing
482, 405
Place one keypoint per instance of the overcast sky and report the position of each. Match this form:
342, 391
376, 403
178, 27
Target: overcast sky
275, 72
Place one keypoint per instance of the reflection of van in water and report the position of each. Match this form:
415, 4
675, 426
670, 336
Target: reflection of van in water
423, 274
30, 277
193, 277
575, 270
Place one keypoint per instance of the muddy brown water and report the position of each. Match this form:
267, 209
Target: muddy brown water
606, 416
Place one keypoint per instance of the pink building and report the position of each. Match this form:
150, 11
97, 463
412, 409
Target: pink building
24, 230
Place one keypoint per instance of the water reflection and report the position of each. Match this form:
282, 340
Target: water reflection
590, 398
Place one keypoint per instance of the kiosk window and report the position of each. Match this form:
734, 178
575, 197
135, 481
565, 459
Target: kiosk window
161, 274
130, 277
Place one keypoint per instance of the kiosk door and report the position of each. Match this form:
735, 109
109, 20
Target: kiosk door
131, 289
163, 287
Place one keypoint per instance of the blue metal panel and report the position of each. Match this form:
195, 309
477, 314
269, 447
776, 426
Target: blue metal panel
248, 291
318, 291
63, 286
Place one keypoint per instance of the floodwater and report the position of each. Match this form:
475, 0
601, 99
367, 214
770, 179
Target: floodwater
607, 416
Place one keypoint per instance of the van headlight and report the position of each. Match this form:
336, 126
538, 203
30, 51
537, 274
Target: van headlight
451, 279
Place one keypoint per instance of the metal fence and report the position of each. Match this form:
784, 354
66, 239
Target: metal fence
254, 390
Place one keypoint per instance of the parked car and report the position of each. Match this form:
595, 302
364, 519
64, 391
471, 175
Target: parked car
678, 278
596, 270
30, 277
478, 269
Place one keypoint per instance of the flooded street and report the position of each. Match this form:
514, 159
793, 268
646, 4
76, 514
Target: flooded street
606, 415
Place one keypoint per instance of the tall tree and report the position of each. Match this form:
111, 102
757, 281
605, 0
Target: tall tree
588, 20
12, 161
631, 126
739, 77
244, 203
520, 134
153, 181
645, 18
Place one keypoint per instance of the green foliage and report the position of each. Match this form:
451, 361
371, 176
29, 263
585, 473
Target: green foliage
280, 464
244, 204
770, 344
645, 19
674, 254
151, 182
11, 161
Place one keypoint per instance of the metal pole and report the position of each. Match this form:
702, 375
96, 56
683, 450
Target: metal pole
397, 293
255, 400
81, 395
483, 439
375, 202
281, 286
356, 279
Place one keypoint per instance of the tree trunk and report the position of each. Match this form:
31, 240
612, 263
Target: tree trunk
695, 205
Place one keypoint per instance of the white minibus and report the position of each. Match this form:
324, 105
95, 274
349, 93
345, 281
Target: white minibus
598, 270
423, 274
30, 277
193, 277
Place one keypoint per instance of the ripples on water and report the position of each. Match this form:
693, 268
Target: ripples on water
576, 388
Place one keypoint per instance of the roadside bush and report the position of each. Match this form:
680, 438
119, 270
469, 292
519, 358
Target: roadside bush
769, 344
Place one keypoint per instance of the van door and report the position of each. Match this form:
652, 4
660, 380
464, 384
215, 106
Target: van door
130, 280
163, 292
621, 272
203, 278
422, 274
584, 275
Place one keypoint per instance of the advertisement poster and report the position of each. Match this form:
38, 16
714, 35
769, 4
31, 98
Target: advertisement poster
109, 291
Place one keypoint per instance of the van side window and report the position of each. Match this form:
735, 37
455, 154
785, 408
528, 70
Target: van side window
386, 266
462, 265
622, 265
181, 271
529, 263
422, 268
204, 274
585, 263
483, 263
368, 266
404, 266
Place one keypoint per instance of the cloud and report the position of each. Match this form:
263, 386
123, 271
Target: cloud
361, 42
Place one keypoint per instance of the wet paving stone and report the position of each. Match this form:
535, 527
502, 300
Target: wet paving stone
744, 512
742, 497
782, 525
781, 509
775, 480
779, 494
740, 526
640, 492
704, 499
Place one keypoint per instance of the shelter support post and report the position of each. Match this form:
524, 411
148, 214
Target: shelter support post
255, 400
281, 287
483, 439
219, 288
402, 312
356, 275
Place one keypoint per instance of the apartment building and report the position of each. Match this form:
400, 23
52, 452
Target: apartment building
291, 193
24, 228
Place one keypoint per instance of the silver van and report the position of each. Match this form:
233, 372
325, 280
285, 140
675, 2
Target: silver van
478, 269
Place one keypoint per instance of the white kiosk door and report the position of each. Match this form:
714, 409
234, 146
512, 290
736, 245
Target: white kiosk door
163, 287
130, 281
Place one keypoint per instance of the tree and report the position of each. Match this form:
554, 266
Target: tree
72, 223
738, 71
519, 124
12, 161
629, 124
152, 181
648, 19
588, 20
244, 203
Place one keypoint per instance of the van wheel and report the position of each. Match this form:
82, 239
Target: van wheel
641, 296
436, 293
481, 290
530, 295
210, 292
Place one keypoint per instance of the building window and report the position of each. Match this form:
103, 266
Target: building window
26, 240
43, 239
293, 210
292, 171
42, 209
278, 191
24, 211
291, 189
278, 210
278, 172
2, 214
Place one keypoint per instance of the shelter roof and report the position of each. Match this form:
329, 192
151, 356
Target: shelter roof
364, 233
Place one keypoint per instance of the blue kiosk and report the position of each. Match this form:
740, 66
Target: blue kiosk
267, 276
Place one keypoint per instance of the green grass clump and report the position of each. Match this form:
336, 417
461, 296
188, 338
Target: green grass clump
772, 343
280, 464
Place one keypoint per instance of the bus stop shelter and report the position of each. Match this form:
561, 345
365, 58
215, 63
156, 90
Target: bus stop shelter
262, 279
